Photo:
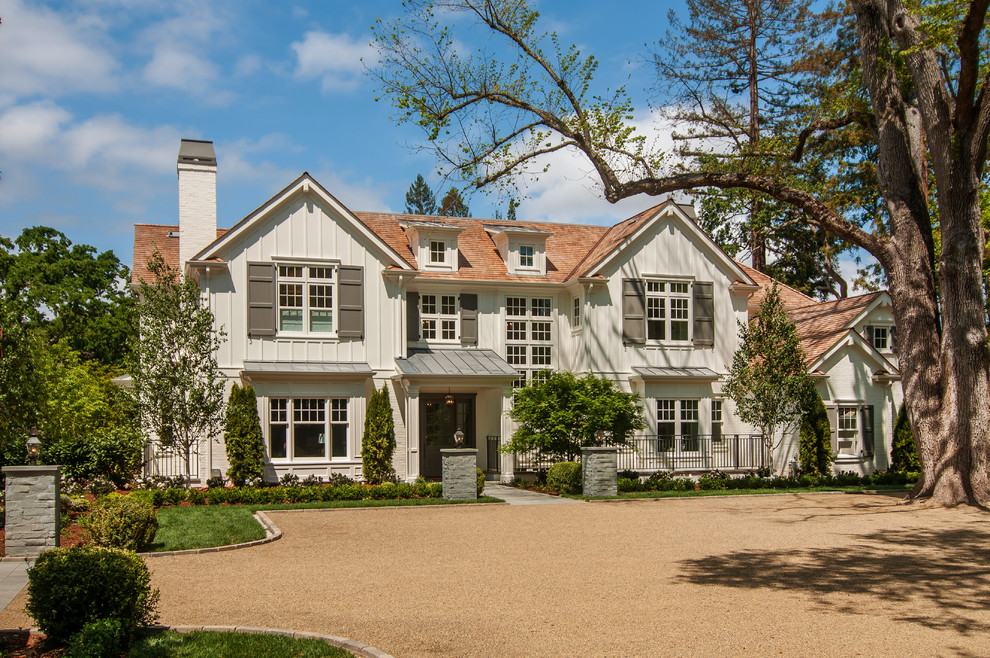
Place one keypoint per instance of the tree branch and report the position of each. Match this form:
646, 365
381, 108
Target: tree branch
854, 116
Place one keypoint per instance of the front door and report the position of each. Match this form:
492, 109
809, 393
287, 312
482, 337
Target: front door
438, 422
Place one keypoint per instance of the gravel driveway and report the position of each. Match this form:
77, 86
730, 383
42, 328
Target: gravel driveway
828, 575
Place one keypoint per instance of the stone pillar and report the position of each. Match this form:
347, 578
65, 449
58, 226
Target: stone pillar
460, 473
32, 515
599, 471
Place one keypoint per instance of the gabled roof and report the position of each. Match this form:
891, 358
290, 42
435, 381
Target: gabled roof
821, 325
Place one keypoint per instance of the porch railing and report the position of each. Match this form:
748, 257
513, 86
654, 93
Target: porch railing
169, 463
680, 453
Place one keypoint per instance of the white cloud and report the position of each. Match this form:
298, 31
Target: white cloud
333, 58
52, 54
247, 65
179, 69
241, 161
30, 132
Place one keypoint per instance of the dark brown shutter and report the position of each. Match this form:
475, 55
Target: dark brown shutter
869, 335
704, 313
866, 416
893, 339
351, 286
633, 312
412, 316
469, 318
261, 299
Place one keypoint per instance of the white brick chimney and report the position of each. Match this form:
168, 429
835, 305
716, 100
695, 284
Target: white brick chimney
197, 170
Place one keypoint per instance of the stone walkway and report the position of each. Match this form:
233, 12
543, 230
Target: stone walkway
514, 496
13, 578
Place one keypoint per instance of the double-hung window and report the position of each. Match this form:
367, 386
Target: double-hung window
576, 313
529, 336
305, 299
847, 436
438, 252
527, 256
678, 418
668, 305
298, 428
716, 421
438, 317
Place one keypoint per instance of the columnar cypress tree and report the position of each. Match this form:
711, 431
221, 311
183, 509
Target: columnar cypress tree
815, 444
378, 442
904, 456
242, 436
419, 198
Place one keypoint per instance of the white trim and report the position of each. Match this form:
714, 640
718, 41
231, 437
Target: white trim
853, 338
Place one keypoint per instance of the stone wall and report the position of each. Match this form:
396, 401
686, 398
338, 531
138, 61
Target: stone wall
599, 471
32, 514
460, 474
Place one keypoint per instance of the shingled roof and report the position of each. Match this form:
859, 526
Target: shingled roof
821, 325
151, 237
789, 297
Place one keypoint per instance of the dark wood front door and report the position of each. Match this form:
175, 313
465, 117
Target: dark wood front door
438, 422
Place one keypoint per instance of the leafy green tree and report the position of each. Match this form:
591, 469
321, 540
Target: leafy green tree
910, 98
68, 292
903, 455
419, 198
378, 442
242, 436
453, 204
178, 384
558, 415
21, 386
768, 378
815, 445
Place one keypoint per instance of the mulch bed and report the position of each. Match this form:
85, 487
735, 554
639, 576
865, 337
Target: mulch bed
72, 535
22, 644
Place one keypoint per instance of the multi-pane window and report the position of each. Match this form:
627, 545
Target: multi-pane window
438, 315
848, 430
668, 310
529, 336
576, 312
438, 252
716, 421
305, 299
298, 428
527, 255
880, 338
678, 418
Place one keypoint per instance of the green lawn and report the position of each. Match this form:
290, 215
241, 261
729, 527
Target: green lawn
182, 528
742, 492
211, 644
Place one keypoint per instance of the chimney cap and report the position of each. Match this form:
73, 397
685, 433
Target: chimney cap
197, 151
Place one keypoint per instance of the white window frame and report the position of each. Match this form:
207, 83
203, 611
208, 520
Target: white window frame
292, 412
886, 337
661, 298
532, 264
846, 431
576, 313
442, 253
437, 321
312, 275
681, 413
529, 336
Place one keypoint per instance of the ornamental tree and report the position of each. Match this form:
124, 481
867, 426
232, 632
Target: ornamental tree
815, 446
242, 436
378, 442
559, 413
768, 379
177, 383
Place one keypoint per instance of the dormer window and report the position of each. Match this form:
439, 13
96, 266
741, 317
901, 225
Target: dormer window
526, 252
438, 252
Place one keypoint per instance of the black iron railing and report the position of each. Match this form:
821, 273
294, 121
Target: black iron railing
685, 453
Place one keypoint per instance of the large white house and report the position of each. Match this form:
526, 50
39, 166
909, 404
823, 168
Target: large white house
322, 305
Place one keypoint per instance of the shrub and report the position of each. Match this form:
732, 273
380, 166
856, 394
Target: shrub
216, 495
420, 488
565, 477
378, 442
174, 496
628, 474
116, 453
434, 489
71, 587
122, 522
242, 436
816, 434
629, 484
196, 497
98, 639
665, 481
289, 480
481, 481
311, 481
216, 481
713, 481
903, 455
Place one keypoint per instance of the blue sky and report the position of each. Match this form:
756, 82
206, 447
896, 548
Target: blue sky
96, 94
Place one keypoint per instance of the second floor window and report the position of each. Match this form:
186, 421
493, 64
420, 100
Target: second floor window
438, 315
438, 252
305, 299
526, 255
668, 306
529, 336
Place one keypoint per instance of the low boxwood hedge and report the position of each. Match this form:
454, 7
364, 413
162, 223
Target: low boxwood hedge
717, 480
289, 494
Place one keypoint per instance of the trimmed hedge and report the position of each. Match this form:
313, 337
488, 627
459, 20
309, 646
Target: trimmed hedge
122, 522
283, 495
69, 588
565, 477
717, 481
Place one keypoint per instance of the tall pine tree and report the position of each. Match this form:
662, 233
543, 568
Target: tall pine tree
420, 199
453, 204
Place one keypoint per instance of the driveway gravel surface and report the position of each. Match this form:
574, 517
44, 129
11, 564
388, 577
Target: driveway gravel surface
794, 575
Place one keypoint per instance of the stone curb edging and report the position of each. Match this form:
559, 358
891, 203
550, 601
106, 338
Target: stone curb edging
791, 493
355, 647
272, 533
